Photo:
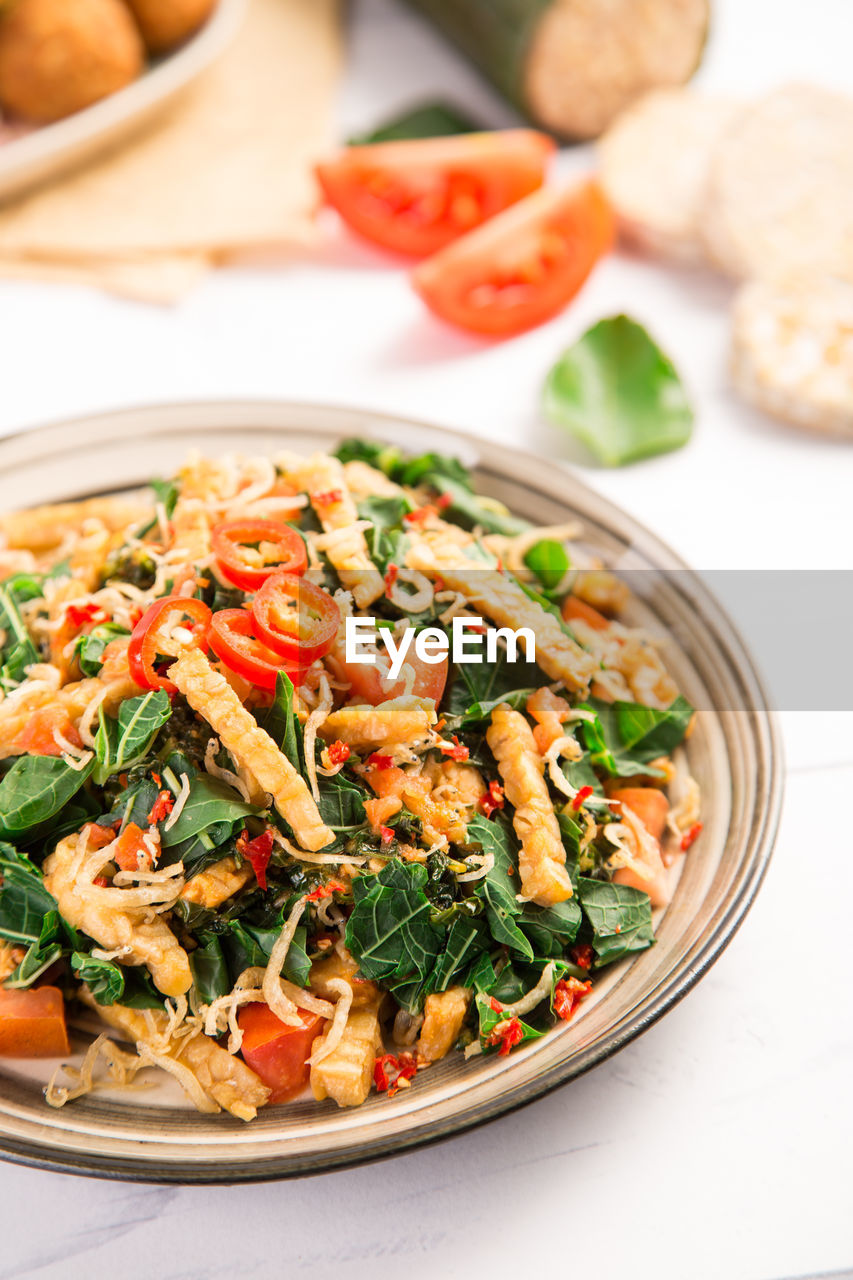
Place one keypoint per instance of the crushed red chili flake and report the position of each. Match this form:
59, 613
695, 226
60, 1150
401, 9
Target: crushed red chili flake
327, 497
386, 834
258, 853
325, 891
158, 781
391, 576
492, 799
582, 795
690, 836
339, 752
77, 615
506, 1035
377, 761
568, 994
443, 501
581, 955
495, 1005
102, 882
404, 1067
458, 751
162, 807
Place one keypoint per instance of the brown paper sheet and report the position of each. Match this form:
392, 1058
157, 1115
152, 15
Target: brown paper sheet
227, 169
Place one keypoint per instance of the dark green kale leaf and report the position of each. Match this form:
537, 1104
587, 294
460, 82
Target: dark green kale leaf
390, 933
626, 736
124, 742
35, 790
620, 918
498, 889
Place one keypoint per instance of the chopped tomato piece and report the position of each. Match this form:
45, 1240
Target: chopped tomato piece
648, 803
380, 810
276, 1052
522, 267
577, 610
248, 551
131, 852
38, 737
32, 1023
153, 637
414, 197
421, 679
295, 618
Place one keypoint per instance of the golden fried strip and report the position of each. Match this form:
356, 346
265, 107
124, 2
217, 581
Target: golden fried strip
210, 694
542, 861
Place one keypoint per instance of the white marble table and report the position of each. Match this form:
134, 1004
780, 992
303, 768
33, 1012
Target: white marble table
718, 1145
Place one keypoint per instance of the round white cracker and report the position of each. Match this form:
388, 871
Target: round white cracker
780, 189
792, 350
654, 168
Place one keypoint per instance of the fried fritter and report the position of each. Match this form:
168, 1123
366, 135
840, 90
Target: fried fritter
57, 58
167, 23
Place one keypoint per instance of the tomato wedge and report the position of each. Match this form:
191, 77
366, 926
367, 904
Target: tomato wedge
153, 637
295, 618
233, 639
521, 268
248, 551
415, 197
276, 1052
423, 680
32, 1023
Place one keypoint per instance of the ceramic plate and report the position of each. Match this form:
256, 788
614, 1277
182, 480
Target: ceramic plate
734, 753
45, 151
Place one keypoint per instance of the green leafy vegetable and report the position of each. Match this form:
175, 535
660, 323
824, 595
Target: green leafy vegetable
489, 1019
465, 938
430, 120
17, 652
35, 790
122, 743
90, 648
389, 932
280, 721
626, 736
549, 560
500, 886
105, 980
210, 803
621, 918
209, 968
617, 392
248, 945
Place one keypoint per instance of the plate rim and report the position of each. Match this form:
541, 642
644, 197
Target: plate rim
701, 955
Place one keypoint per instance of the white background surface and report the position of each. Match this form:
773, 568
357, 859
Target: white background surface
719, 1145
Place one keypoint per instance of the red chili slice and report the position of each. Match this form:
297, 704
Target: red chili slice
296, 618
152, 638
248, 551
233, 639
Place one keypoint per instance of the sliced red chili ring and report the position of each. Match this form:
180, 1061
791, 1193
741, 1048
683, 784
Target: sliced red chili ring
248, 551
152, 639
232, 638
296, 618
